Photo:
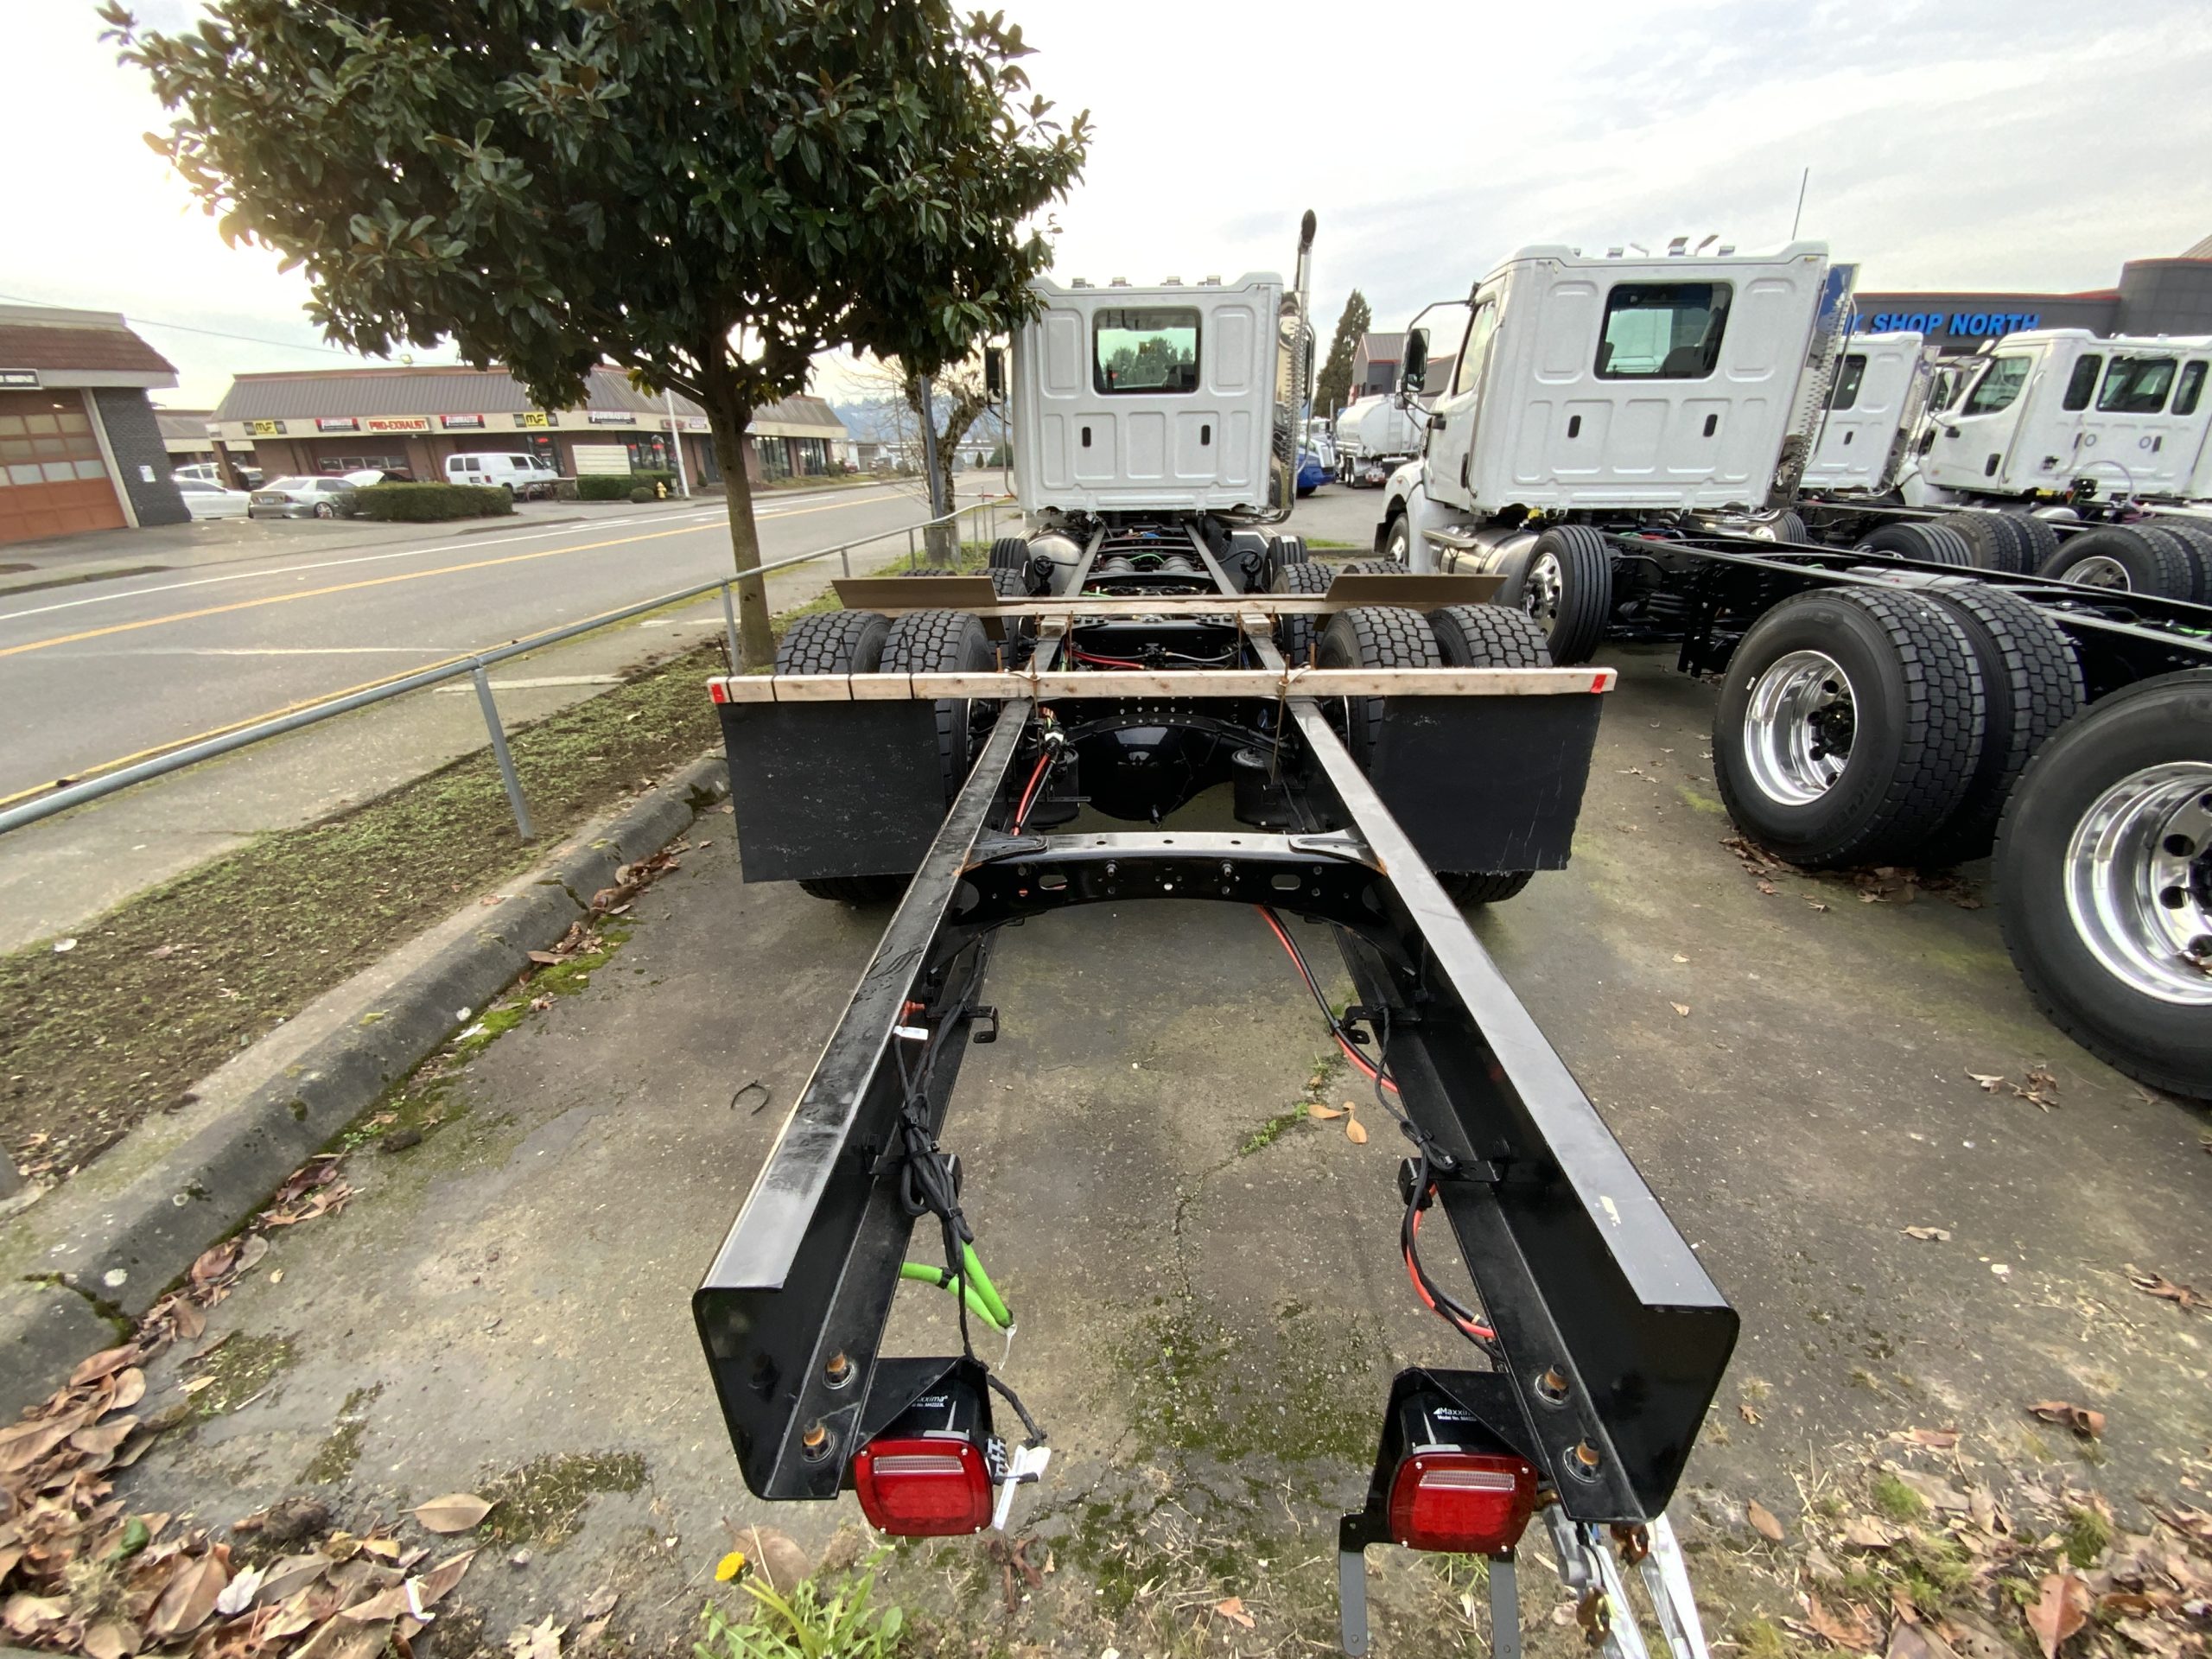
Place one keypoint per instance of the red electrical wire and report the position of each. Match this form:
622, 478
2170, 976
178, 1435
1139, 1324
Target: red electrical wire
1029, 791
1481, 1332
1081, 656
1351, 1053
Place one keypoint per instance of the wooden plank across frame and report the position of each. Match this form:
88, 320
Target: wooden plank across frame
1169, 683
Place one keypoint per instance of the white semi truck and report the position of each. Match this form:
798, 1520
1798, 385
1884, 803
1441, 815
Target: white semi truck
1605, 393
1376, 436
1864, 437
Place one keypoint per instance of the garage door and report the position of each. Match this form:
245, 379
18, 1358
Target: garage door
52, 481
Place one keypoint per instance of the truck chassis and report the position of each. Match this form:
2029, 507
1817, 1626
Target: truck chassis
1604, 1339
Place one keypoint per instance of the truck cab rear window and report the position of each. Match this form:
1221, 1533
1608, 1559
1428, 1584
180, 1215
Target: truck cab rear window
2192, 386
2137, 385
1847, 381
1662, 331
1145, 349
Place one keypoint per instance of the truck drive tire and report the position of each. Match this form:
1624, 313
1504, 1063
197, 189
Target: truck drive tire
1988, 545
2192, 555
840, 642
1848, 726
1566, 584
1373, 636
2115, 556
1294, 634
1012, 553
2104, 881
2198, 539
2038, 541
1930, 543
942, 642
2031, 685
1486, 636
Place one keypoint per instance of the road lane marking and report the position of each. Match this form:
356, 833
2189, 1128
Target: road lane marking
352, 586
694, 521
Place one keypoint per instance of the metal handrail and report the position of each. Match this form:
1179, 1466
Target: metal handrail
473, 665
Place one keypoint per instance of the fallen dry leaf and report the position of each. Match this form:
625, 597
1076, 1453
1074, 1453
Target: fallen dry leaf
2157, 1284
1355, 1131
456, 1512
539, 1641
1941, 1235
1866, 1533
190, 1597
1763, 1521
113, 1638
1317, 1109
1988, 1080
1942, 1439
237, 1595
1683, 1008
1232, 1608
1852, 1628
1748, 1412
2062, 1609
2081, 1419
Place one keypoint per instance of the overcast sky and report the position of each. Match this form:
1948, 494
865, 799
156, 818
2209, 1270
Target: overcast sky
2030, 144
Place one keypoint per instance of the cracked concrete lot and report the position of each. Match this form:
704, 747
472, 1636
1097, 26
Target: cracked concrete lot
1210, 1301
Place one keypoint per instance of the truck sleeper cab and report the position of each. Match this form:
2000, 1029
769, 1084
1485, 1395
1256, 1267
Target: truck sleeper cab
1880, 387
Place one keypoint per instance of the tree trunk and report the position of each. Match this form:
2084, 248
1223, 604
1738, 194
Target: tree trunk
727, 420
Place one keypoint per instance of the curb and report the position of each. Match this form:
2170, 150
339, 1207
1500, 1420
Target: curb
85, 1264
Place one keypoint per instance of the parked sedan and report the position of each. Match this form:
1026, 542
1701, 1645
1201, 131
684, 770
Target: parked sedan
301, 498
209, 500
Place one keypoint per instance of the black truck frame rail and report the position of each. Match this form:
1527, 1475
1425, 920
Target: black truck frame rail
1725, 583
1610, 1339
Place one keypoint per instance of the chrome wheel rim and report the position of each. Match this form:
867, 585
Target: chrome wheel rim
2098, 572
1395, 548
2138, 882
1798, 726
1540, 587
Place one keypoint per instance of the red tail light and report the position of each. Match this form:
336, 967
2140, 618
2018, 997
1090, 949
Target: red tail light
928, 1486
1469, 1502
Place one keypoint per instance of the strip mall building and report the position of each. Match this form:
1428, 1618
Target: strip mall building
410, 419
2153, 297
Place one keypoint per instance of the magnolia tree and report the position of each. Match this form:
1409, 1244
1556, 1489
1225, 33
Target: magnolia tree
704, 193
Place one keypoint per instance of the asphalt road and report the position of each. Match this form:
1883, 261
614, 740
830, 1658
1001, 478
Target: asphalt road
105, 669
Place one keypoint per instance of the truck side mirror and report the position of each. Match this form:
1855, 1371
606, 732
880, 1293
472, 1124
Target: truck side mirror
994, 373
1413, 370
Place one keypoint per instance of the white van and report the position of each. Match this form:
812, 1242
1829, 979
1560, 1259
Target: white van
525, 474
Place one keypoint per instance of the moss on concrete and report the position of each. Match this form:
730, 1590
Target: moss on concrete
542, 1504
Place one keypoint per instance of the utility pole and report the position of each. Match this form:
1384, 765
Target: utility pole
676, 441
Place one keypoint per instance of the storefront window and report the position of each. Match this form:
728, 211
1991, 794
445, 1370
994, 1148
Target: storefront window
775, 458
651, 455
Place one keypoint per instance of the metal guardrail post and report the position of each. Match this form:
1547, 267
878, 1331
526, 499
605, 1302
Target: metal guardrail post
513, 785
845, 557
730, 626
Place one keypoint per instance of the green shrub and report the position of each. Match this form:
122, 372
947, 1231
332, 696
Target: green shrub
423, 503
641, 495
603, 487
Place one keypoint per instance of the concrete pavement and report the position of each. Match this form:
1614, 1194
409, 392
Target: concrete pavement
1210, 1314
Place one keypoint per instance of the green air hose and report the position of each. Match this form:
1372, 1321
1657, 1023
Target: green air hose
976, 1289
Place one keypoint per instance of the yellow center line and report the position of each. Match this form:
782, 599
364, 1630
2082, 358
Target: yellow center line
373, 582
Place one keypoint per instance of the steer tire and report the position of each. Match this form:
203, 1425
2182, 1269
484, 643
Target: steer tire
1789, 528
943, 642
2192, 555
1294, 634
840, 642
1916, 718
1373, 636
2164, 1040
2147, 565
1572, 604
1290, 549
1486, 636
2031, 685
1013, 584
1988, 547
1010, 553
1396, 538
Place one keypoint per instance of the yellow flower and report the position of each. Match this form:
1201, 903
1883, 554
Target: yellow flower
729, 1567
